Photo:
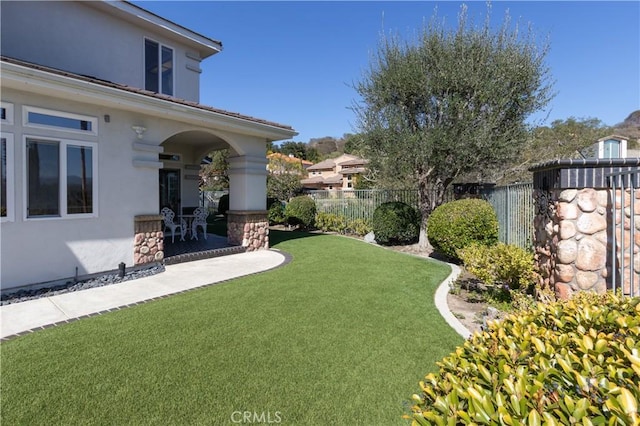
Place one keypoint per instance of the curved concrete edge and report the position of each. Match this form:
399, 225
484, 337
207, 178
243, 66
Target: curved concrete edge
440, 299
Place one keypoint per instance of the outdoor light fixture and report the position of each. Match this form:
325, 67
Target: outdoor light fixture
139, 130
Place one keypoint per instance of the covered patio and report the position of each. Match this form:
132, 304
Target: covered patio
190, 250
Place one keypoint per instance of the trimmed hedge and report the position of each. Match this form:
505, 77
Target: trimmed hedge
396, 223
502, 264
329, 222
275, 213
301, 211
562, 363
458, 224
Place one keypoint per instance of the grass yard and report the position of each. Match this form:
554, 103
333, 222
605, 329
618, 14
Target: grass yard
341, 335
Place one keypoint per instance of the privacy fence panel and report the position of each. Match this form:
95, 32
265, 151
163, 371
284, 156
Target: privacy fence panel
515, 210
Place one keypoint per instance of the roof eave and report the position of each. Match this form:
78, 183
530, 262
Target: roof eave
207, 46
33, 80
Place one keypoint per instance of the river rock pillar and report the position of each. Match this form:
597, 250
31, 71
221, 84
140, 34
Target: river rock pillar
574, 225
247, 222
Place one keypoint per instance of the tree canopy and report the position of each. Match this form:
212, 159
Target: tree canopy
451, 102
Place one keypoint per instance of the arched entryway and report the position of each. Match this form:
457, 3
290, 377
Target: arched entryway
178, 181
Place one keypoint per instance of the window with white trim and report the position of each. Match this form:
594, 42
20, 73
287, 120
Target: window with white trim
50, 119
6, 113
612, 148
158, 67
6, 177
60, 178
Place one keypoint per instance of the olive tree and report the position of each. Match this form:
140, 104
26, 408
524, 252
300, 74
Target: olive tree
449, 103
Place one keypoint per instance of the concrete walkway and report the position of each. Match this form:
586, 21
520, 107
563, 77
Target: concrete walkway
25, 317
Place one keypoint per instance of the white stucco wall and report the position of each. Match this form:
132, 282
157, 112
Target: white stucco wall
43, 249
35, 250
75, 37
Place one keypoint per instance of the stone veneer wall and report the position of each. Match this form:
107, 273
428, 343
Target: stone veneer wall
573, 226
148, 244
249, 229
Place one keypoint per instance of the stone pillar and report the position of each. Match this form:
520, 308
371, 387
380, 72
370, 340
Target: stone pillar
249, 229
148, 243
573, 226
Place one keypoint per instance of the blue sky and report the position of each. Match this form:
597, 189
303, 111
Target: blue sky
295, 62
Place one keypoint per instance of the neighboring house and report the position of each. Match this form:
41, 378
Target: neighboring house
611, 146
281, 163
338, 173
100, 128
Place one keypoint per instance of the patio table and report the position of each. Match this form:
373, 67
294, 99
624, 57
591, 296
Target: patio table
188, 218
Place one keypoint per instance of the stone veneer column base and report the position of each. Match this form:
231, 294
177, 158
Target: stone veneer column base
148, 243
248, 229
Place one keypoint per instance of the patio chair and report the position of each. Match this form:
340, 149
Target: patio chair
167, 217
200, 219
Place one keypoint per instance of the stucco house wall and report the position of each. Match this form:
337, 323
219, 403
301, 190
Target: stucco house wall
92, 38
39, 249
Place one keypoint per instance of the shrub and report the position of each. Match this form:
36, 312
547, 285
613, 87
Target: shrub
223, 204
359, 227
457, 224
275, 213
502, 264
301, 211
561, 363
329, 222
396, 223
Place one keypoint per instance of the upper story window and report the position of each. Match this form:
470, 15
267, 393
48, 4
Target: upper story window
158, 67
39, 117
612, 148
6, 113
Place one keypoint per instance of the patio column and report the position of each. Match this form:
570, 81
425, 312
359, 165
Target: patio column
247, 223
148, 243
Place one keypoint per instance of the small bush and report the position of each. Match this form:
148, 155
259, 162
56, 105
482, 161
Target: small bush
301, 211
457, 224
561, 363
359, 227
275, 213
223, 204
329, 222
502, 264
396, 223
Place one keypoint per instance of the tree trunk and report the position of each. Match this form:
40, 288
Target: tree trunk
430, 196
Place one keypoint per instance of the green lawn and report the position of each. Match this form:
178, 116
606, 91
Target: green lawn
341, 335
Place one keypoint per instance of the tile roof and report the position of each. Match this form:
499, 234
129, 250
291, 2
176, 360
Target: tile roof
131, 89
356, 162
326, 164
315, 179
333, 179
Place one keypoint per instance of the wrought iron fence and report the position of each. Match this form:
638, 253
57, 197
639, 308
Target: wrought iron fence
361, 203
514, 207
624, 188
